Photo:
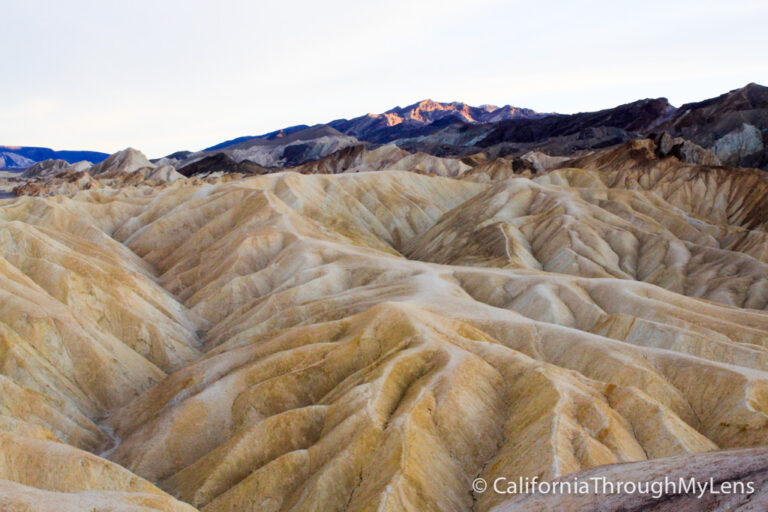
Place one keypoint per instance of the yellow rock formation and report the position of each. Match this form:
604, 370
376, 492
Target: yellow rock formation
377, 340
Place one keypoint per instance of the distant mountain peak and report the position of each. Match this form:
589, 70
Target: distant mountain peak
426, 114
420, 111
127, 160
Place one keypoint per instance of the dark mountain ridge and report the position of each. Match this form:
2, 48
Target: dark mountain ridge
732, 126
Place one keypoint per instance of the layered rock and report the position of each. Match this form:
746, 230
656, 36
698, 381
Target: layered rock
50, 167
361, 158
694, 230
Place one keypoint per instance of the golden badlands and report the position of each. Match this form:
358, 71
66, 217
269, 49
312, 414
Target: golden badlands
375, 341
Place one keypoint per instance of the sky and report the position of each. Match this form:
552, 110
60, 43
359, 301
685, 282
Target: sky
168, 75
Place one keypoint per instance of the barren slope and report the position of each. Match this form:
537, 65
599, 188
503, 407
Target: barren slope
375, 341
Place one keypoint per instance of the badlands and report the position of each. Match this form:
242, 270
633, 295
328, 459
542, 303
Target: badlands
377, 329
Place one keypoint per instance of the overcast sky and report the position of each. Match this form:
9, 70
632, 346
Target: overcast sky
168, 75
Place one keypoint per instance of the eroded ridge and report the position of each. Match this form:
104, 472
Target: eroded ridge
376, 341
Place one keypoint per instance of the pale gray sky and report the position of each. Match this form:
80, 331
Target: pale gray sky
165, 75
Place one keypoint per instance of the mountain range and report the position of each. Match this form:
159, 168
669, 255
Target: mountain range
21, 157
733, 126
377, 314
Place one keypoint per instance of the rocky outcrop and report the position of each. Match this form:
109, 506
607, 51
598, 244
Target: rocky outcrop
48, 168
220, 163
684, 150
163, 173
542, 161
740, 146
734, 125
126, 161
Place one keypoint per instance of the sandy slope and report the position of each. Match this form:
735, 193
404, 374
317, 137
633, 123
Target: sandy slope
377, 340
